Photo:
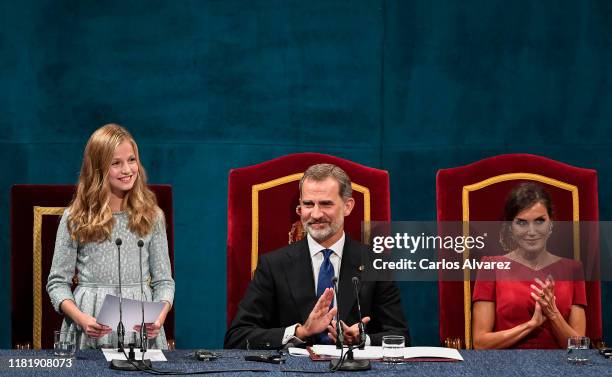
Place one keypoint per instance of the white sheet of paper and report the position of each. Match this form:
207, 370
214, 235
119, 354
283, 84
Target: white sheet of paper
295, 351
369, 352
113, 354
441, 352
375, 352
132, 312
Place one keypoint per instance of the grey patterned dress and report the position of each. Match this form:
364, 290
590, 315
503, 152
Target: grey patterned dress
96, 265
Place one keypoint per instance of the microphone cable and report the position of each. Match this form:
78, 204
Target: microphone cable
152, 370
161, 372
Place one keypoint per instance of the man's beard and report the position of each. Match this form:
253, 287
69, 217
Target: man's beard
322, 235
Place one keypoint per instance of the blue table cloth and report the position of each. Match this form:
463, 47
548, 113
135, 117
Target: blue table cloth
519, 363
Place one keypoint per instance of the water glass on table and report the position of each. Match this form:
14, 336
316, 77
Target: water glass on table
64, 343
393, 348
578, 349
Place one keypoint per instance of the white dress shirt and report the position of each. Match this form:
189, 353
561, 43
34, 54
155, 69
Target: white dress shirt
316, 255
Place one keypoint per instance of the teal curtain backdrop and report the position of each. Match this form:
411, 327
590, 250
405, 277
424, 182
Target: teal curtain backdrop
206, 86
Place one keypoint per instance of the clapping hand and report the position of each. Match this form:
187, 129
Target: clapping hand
320, 316
351, 334
544, 295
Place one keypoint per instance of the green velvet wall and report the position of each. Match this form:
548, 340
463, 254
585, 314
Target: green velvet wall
205, 86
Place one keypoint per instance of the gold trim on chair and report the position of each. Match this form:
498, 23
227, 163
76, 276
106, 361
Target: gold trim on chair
366, 210
37, 270
281, 181
465, 200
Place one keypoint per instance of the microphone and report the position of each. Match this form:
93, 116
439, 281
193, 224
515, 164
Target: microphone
143, 327
130, 363
339, 330
347, 363
120, 327
361, 325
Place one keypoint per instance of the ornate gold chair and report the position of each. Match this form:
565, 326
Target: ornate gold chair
261, 211
476, 192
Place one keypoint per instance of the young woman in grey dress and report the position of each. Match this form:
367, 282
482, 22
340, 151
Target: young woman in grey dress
112, 201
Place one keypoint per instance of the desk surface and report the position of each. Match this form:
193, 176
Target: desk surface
518, 363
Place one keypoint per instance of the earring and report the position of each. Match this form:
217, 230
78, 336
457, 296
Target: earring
507, 240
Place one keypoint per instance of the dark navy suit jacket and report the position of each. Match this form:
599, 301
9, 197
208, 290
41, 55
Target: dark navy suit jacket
282, 294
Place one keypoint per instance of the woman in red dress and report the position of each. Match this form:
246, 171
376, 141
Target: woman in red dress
545, 304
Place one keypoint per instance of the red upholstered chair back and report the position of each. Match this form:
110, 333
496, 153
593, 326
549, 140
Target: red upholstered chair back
477, 192
35, 214
261, 211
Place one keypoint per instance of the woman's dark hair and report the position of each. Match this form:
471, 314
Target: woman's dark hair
525, 195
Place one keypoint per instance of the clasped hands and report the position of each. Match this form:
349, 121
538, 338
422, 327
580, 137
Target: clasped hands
321, 319
545, 305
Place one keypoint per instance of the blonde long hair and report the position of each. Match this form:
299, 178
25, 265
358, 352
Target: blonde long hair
90, 215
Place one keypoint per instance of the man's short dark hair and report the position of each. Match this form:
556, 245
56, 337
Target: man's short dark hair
320, 172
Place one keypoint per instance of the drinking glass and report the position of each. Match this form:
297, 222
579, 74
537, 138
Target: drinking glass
64, 344
393, 348
578, 349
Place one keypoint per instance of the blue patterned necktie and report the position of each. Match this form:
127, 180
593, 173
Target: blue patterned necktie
326, 274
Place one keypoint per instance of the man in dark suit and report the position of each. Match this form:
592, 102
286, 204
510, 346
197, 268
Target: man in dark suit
291, 300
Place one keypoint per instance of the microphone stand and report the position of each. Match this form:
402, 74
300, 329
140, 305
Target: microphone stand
143, 328
348, 362
130, 364
339, 330
120, 327
361, 325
